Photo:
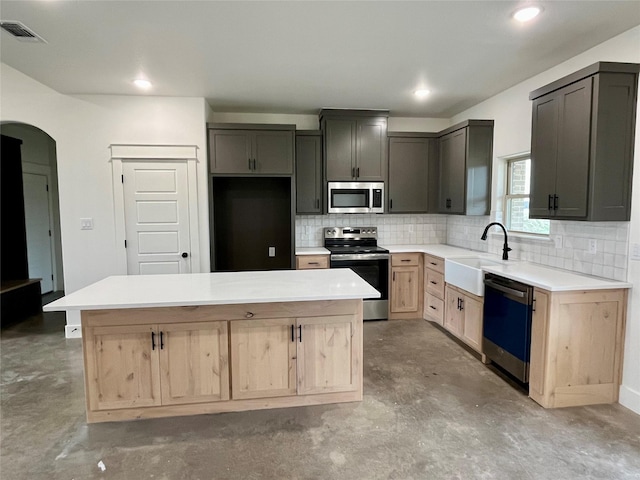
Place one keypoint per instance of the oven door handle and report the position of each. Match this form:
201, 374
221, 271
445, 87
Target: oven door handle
502, 288
344, 257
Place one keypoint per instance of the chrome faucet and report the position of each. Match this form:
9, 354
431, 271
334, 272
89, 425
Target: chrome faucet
505, 248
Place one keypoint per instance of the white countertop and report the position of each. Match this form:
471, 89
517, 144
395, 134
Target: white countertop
436, 249
219, 288
553, 279
312, 251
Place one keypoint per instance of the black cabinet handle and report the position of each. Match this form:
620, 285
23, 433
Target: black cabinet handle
459, 308
394, 277
353, 172
249, 160
317, 203
461, 304
300, 330
358, 172
555, 202
448, 203
432, 307
153, 340
184, 255
161, 340
293, 339
314, 263
533, 305
390, 203
550, 203
405, 260
432, 282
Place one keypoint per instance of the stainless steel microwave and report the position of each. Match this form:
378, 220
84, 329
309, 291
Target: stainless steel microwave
355, 197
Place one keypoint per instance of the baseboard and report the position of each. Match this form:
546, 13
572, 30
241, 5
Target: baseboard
630, 398
72, 331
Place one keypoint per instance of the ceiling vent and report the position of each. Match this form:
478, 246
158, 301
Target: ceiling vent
21, 32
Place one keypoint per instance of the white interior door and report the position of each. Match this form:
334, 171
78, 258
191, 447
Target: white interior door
36, 213
156, 206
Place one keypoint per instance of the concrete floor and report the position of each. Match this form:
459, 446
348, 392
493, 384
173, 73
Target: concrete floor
430, 411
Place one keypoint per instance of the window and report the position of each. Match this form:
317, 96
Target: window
516, 206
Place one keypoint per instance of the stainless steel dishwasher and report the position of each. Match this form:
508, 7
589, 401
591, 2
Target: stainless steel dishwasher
506, 331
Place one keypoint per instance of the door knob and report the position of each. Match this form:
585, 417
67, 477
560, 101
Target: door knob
185, 254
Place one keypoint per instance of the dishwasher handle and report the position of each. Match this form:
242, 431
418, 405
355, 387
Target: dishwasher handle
523, 296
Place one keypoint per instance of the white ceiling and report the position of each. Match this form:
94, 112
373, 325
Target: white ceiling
299, 56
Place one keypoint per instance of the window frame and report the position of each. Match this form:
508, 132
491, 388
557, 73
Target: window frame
509, 196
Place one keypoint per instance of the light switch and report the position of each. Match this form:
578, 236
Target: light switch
593, 246
272, 251
635, 251
86, 224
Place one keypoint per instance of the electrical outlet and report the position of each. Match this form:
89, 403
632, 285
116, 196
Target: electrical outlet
593, 246
272, 251
635, 251
86, 224
557, 240
411, 227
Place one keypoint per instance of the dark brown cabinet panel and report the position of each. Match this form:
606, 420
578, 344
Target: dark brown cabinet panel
308, 172
355, 145
410, 184
340, 147
582, 144
251, 152
465, 157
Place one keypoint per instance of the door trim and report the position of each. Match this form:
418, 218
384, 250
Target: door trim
154, 154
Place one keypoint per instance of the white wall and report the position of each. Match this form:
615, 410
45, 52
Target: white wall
83, 127
511, 111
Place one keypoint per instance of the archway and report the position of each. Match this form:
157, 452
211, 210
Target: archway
41, 204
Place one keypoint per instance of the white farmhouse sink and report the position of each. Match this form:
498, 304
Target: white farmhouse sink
467, 273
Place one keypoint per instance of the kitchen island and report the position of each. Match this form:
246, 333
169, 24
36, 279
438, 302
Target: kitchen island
169, 345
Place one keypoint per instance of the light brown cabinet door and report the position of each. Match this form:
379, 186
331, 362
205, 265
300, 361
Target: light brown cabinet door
539, 324
122, 367
326, 352
452, 314
405, 289
263, 358
194, 362
472, 322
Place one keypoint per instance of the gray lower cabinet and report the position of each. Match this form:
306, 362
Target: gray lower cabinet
413, 177
465, 158
582, 144
355, 145
309, 172
262, 151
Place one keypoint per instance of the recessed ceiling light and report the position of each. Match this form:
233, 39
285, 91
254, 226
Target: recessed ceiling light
527, 13
142, 83
422, 92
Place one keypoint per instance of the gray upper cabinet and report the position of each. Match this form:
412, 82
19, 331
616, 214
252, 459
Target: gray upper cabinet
259, 150
412, 179
355, 145
465, 157
309, 172
583, 128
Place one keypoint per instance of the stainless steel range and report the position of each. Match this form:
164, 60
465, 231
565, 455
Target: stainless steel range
357, 248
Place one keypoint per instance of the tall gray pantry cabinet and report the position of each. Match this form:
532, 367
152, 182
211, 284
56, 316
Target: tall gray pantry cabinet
583, 129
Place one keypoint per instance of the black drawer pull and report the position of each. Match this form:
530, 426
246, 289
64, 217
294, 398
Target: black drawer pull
161, 340
300, 330
432, 282
153, 340
432, 307
293, 338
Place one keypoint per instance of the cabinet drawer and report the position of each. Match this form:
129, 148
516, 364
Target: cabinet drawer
434, 263
306, 262
405, 259
434, 283
433, 308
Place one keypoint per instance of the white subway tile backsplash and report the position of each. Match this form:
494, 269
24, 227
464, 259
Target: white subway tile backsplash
609, 261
